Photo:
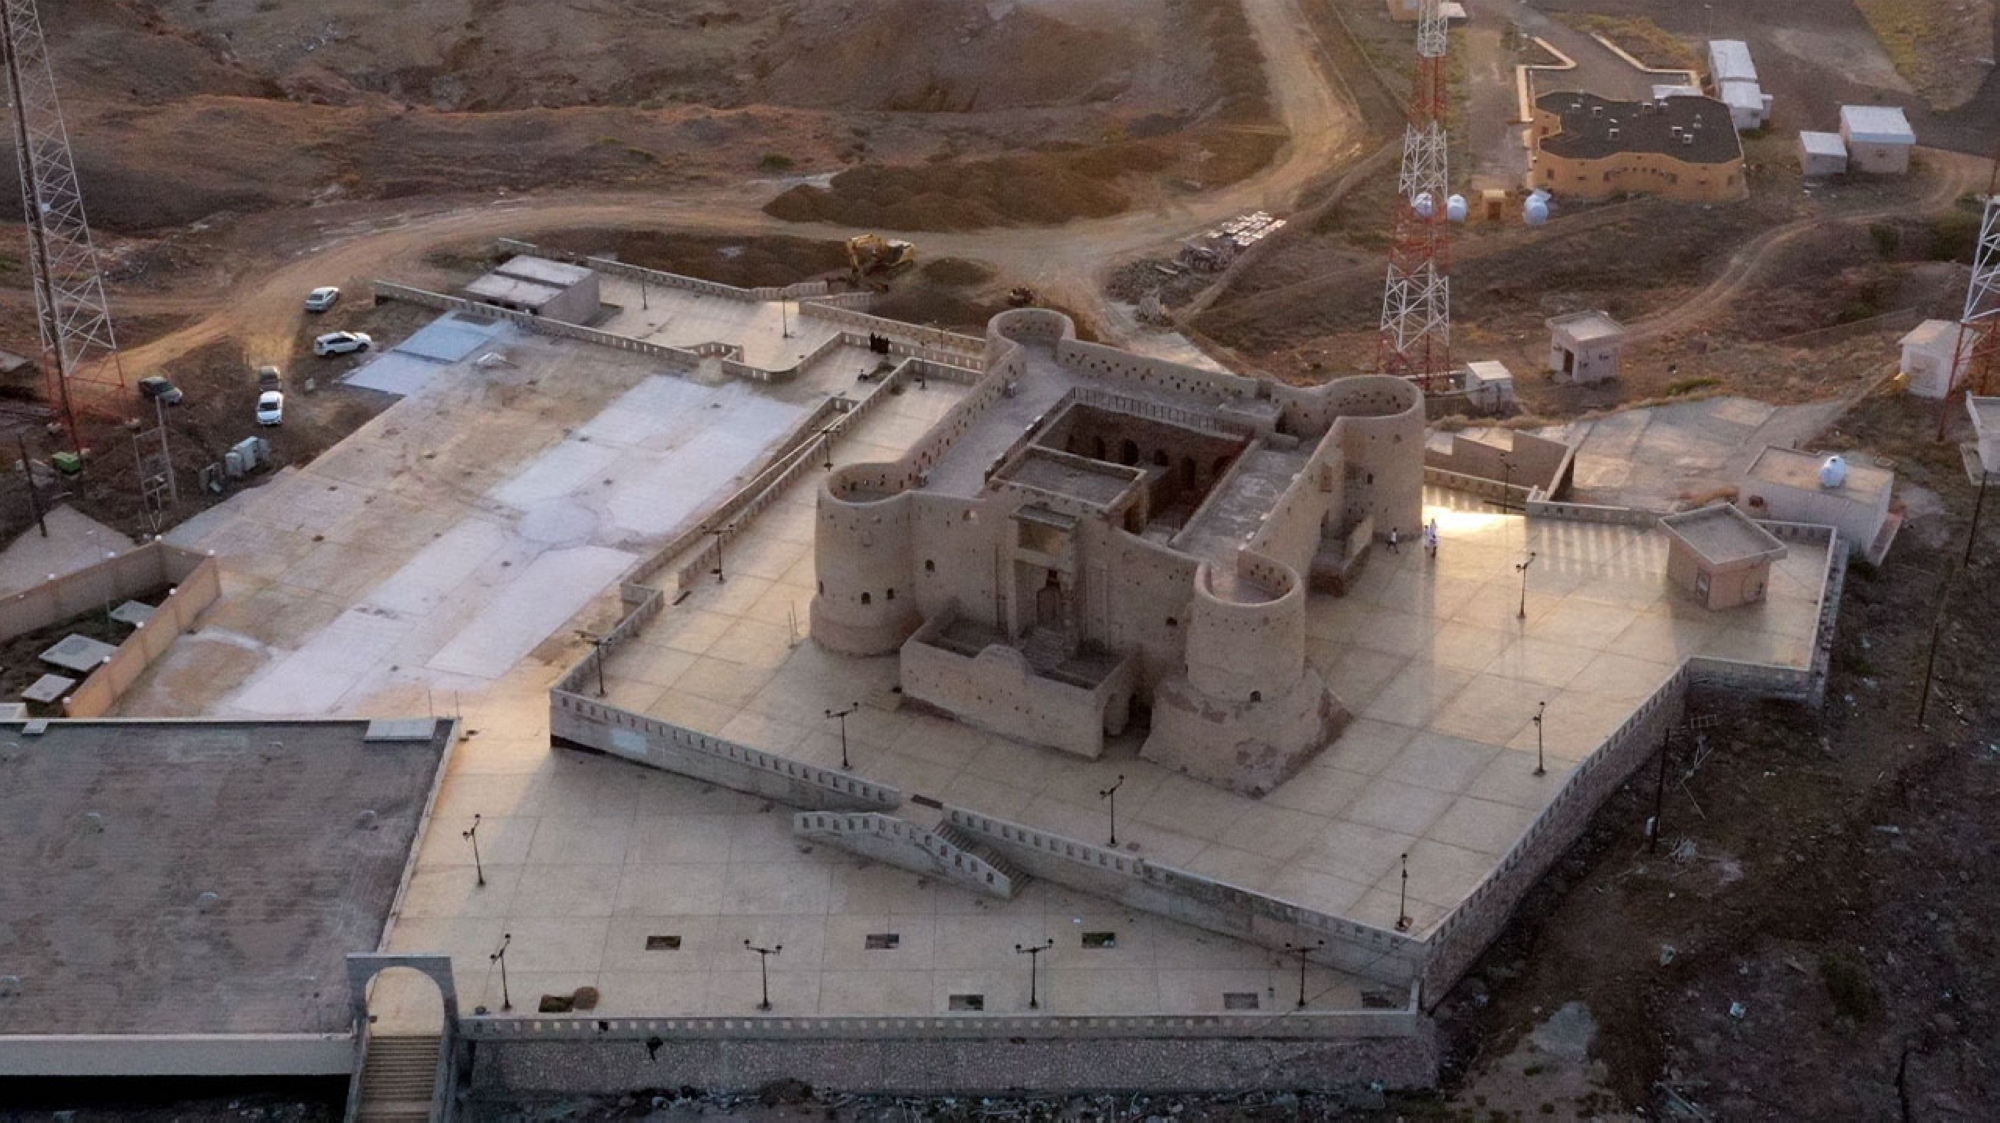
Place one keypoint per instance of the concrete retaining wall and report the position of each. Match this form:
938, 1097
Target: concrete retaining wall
201, 587
968, 1055
968, 346
176, 1055
196, 582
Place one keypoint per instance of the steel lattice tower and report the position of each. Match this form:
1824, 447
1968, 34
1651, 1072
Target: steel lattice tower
1416, 296
79, 350
1979, 327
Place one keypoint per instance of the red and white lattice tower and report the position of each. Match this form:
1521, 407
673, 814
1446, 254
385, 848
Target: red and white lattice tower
1416, 297
79, 350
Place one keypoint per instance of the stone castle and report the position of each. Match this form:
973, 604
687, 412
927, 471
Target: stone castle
1091, 536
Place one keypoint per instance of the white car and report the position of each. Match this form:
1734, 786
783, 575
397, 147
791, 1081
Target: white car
271, 408
322, 298
341, 342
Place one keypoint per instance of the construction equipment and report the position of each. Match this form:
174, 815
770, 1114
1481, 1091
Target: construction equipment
1020, 296
79, 350
873, 254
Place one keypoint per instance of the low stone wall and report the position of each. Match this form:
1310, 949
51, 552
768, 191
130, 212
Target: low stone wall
898, 842
389, 290
1539, 508
615, 268
1478, 919
966, 1055
590, 724
1516, 494
1356, 948
967, 346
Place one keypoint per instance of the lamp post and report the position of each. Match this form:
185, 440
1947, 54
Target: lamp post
763, 973
1506, 483
471, 834
1403, 899
1522, 569
1034, 954
1300, 950
842, 715
1540, 709
1111, 794
718, 532
500, 957
597, 642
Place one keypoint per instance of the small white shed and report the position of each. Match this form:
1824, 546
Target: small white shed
1584, 347
1749, 106
1822, 154
1986, 430
1879, 138
1927, 366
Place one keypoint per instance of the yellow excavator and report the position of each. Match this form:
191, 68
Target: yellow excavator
874, 255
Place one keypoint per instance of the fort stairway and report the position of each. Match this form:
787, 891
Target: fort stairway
398, 1078
957, 836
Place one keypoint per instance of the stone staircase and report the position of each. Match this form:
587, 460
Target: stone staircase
398, 1079
1045, 649
965, 840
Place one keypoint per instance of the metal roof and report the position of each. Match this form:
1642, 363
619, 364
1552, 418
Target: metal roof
1875, 124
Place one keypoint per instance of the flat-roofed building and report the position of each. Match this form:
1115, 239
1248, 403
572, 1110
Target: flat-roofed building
1589, 147
1927, 367
1584, 347
1878, 137
1720, 555
1985, 430
1805, 487
1822, 154
551, 290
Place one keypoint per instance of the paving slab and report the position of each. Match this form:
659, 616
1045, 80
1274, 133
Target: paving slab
79, 653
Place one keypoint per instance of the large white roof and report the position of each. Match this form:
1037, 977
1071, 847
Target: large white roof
1729, 61
1823, 144
1744, 95
1875, 124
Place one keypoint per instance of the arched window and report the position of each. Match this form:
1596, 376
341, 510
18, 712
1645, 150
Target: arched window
866, 599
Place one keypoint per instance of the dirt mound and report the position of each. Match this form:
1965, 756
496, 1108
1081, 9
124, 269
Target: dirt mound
956, 272
1013, 190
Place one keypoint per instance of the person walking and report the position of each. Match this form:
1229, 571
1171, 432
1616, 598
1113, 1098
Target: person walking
1395, 540
1431, 539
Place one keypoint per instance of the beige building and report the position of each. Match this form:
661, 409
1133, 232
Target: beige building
1720, 556
552, 290
1093, 537
1588, 147
1985, 430
1803, 487
1584, 347
1927, 364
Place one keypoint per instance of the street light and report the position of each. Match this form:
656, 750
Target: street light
1522, 569
1111, 793
1034, 954
471, 834
718, 532
500, 957
763, 973
1540, 709
1301, 950
1403, 900
842, 715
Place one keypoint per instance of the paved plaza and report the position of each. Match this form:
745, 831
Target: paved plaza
1443, 673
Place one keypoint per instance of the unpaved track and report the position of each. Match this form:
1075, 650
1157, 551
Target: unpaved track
281, 255
1957, 175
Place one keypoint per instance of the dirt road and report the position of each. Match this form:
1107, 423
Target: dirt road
281, 255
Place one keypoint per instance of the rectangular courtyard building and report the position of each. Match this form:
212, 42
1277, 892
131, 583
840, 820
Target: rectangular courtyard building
1092, 534
1720, 555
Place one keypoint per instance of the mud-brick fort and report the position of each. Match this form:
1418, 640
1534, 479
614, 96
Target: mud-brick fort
1091, 534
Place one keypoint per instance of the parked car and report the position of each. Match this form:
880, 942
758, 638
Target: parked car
155, 388
341, 342
269, 378
271, 408
322, 298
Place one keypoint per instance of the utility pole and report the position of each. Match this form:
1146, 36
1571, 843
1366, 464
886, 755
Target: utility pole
34, 490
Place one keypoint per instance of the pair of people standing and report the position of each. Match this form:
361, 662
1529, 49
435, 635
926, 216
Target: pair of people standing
1430, 540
